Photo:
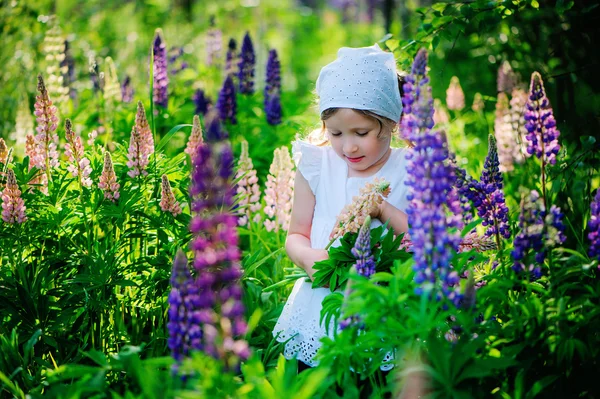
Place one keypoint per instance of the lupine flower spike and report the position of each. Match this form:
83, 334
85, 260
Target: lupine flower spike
112, 88
506, 79
279, 191
246, 65
214, 39
13, 208
248, 191
201, 101
415, 88
215, 246
195, 140
440, 115
137, 161
272, 92
23, 126
160, 72
231, 58
46, 139
79, 165
54, 54
478, 104
168, 203
353, 215
227, 102
455, 97
126, 90
594, 227
146, 136
108, 180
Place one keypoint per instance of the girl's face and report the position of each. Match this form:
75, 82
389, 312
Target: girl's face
357, 140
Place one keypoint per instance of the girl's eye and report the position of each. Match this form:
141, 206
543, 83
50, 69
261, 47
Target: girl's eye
362, 133
335, 134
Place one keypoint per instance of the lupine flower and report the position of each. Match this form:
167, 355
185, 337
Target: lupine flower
248, 191
478, 104
273, 110
112, 88
517, 120
464, 185
279, 191
506, 79
594, 227
215, 246
231, 58
539, 232
354, 214
54, 54
246, 66
67, 67
13, 207
434, 208
540, 123
504, 134
160, 73
168, 203
3, 152
94, 73
214, 39
108, 180
273, 78
79, 165
348, 8
474, 242
201, 101
23, 126
126, 90
440, 115
195, 140
372, 5
146, 137
455, 97
40, 179
46, 140
92, 137
227, 103
416, 87
175, 55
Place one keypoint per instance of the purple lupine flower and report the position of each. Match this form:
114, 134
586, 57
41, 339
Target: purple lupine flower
160, 73
542, 133
539, 232
231, 57
371, 7
215, 246
416, 86
594, 227
227, 103
463, 185
68, 66
214, 39
201, 101
126, 90
272, 93
434, 208
175, 54
273, 110
246, 66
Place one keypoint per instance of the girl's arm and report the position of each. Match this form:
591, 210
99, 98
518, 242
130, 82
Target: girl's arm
398, 220
297, 244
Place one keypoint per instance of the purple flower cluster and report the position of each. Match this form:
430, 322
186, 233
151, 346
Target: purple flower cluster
175, 60
215, 246
160, 74
417, 102
273, 89
539, 232
542, 134
464, 185
434, 208
201, 101
227, 102
246, 66
594, 227
230, 57
126, 90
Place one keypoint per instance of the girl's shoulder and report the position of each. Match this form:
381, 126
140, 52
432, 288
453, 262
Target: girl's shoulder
309, 160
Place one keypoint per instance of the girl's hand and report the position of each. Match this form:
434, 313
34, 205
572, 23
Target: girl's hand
377, 210
315, 255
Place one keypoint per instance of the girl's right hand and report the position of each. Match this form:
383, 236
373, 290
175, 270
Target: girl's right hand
314, 256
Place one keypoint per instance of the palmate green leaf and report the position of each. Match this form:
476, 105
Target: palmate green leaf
331, 310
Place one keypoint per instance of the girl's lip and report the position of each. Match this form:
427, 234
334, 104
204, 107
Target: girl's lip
358, 159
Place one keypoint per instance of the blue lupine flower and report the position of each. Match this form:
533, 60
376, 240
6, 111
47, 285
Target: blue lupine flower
417, 102
227, 102
273, 110
594, 227
201, 101
272, 93
246, 66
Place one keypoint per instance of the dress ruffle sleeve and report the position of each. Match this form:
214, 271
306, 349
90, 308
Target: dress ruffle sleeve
308, 159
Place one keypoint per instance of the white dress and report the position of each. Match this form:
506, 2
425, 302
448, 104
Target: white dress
327, 176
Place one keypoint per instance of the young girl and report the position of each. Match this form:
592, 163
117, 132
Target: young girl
360, 105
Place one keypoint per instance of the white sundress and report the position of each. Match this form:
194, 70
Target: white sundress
327, 176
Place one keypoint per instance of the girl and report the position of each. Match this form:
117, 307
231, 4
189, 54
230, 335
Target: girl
360, 105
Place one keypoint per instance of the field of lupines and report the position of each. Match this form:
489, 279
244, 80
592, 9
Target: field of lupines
147, 177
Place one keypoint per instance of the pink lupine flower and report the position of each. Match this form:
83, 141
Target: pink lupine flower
3, 152
506, 79
79, 166
13, 208
354, 214
46, 140
138, 160
440, 115
195, 138
455, 97
248, 190
40, 179
517, 121
478, 104
279, 191
108, 179
479, 243
503, 134
92, 137
141, 123
168, 203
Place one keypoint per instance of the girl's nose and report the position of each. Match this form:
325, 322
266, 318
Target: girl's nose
349, 147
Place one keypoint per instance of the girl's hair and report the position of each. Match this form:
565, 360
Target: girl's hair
318, 136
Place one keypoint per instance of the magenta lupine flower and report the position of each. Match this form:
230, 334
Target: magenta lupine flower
46, 156
195, 140
246, 66
215, 246
540, 123
227, 102
248, 191
160, 73
455, 97
594, 227
79, 165
231, 58
108, 180
540, 231
168, 203
13, 207
146, 136
434, 208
